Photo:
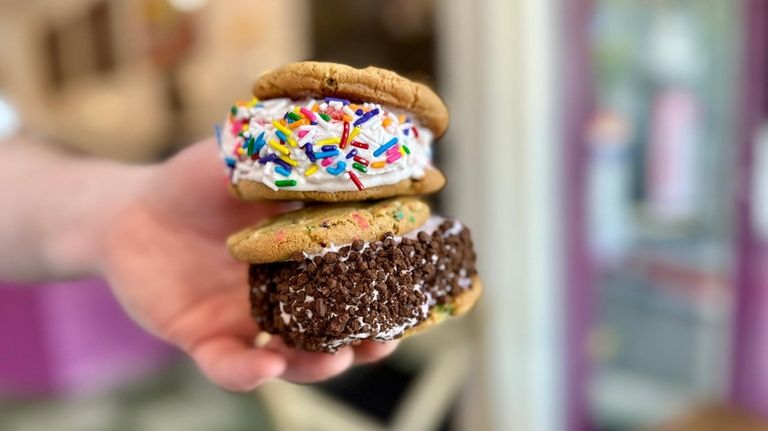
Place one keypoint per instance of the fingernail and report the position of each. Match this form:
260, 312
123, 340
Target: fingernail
262, 339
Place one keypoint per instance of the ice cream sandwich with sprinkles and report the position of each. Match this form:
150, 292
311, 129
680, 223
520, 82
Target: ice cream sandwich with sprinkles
330, 132
332, 275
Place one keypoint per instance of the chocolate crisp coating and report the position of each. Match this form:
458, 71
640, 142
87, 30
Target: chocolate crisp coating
364, 291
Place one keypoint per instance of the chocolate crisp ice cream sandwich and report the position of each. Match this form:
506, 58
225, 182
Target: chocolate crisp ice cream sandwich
328, 276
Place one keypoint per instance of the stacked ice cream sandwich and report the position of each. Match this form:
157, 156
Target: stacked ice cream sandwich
370, 261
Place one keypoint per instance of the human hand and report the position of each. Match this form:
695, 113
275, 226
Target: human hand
163, 252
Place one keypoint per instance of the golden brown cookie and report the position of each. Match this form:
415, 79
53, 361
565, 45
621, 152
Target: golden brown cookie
432, 182
310, 230
372, 84
459, 306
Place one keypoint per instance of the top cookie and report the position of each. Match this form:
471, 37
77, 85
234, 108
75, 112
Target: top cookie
332, 133
310, 230
372, 84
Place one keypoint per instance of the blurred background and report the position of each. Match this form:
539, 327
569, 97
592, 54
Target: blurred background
610, 156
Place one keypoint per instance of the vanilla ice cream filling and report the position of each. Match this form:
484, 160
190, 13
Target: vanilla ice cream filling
323, 145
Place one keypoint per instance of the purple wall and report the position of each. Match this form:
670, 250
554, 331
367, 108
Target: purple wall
69, 337
579, 295
750, 333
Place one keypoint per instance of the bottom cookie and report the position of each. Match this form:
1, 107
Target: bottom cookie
378, 290
458, 307
432, 182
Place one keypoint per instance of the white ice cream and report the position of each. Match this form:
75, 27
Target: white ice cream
407, 157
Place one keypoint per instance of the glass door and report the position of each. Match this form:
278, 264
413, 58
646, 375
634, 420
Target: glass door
656, 165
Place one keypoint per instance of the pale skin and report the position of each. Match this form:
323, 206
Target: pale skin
156, 233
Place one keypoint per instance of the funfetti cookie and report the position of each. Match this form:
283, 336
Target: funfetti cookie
327, 276
330, 132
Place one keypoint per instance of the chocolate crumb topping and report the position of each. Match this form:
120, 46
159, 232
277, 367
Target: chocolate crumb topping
373, 290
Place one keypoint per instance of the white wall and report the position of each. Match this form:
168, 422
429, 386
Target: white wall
498, 70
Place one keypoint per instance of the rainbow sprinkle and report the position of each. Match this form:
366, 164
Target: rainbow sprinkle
289, 161
344, 135
308, 151
281, 128
324, 154
283, 171
394, 157
280, 148
296, 124
308, 114
248, 145
268, 158
336, 170
285, 183
355, 180
311, 170
355, 132
336, 99
255, 145
384, 147
328, 141
367, 116
279, 161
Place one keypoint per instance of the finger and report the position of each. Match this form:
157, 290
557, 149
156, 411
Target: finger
197, 174
372, 351
307, 367
234, 365
241, 213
